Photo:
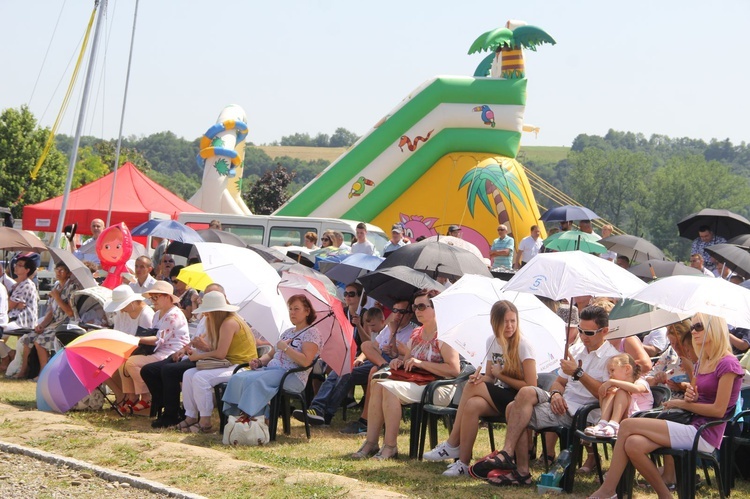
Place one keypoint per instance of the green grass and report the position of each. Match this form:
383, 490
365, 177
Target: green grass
290, 467
543, 154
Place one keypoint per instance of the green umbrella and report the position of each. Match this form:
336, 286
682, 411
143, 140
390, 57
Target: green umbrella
631, 317
572, 240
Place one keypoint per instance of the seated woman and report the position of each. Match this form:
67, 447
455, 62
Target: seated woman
674, 364
59, 312
229, 337
172, 334
23, 305
250, 391
717, 388
386, 396
510, 366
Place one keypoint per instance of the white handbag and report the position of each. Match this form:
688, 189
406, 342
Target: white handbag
244, 430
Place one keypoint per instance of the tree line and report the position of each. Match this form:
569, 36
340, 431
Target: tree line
642, 185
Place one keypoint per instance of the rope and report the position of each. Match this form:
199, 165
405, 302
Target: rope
59, 16
51, 138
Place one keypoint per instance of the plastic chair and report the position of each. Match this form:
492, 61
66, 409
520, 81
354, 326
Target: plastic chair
280, 405
430, 413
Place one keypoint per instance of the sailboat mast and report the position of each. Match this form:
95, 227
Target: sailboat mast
102, 5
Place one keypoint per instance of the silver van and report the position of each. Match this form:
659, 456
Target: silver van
273, 230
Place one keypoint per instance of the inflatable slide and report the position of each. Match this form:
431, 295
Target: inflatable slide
444, 155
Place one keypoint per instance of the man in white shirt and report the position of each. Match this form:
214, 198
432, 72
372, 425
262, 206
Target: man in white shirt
585, 226
87, 251
143, 278
528, 248
362, 245
577, 385
397, 240
696, 261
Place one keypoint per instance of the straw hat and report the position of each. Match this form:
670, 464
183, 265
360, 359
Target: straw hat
564, 311
121, 297
214, 301
162, 288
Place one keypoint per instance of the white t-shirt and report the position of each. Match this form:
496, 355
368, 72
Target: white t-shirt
366, 248
126, 324
595, 365
3, 305
147, 284
657, 338
529, 247
495, 354
384, 337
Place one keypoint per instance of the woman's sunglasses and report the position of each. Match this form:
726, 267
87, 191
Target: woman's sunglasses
326, 239
589, 332
697, 327
350, 294
421, 307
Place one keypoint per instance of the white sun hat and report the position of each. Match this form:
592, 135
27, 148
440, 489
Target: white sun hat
121, 297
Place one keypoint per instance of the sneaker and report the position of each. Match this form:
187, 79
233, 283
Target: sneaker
382, 373
456, 469
313, 417
354, 428
442, 452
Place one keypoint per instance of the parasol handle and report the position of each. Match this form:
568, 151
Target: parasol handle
653, 273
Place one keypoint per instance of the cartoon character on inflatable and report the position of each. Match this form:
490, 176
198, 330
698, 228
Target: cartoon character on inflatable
114, 247
222, 152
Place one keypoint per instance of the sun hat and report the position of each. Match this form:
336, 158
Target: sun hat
162, 288
214, 301
564, 311
121, 297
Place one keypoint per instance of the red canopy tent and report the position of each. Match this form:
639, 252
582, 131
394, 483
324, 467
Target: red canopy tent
136, 196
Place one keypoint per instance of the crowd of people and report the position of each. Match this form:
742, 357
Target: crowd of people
171, 375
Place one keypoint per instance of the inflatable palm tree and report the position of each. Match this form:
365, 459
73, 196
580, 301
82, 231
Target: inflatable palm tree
507, 44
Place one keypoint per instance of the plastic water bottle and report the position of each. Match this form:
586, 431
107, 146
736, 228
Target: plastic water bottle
560, 465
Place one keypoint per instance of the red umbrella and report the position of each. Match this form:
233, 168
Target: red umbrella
339, 348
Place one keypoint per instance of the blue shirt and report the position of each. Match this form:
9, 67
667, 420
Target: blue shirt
506, 242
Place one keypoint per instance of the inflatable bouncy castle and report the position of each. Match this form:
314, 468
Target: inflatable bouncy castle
445, 155
222, 152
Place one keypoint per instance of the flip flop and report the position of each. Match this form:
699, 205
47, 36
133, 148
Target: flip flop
512, 478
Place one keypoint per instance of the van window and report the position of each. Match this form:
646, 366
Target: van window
250, 234
288, 236
349, 238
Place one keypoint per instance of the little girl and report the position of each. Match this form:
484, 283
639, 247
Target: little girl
625, 393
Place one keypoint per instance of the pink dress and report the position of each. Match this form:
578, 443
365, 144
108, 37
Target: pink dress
641, 401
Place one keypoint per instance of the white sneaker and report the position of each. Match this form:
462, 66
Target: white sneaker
456, 469
442, 452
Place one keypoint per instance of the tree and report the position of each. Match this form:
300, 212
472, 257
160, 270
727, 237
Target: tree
298, 139
89, 167
343, 138
21, 145
270, 192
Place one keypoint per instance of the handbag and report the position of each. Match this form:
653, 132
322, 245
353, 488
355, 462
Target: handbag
676, 415
245, 430
212, 363
145, 349
416, 375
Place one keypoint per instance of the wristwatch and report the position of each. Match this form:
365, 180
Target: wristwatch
577, 374
554, 392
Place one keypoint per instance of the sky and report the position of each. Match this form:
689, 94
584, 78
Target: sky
676, 68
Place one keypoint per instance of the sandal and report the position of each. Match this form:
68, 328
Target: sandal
141, 405
382, 457
198, 428
125, 406
364, 454
512, 478
184, 427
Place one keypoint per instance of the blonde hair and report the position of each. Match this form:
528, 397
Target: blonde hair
604, 303
512, 364
625, 359
214, 320
715, 339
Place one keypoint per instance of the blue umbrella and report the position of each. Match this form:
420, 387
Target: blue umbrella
168, 229
568, 212
351, 267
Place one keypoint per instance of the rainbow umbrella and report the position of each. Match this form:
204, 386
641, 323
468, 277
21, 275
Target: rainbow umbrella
76, 370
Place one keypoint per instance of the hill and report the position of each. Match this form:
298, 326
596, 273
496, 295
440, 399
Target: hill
304, 153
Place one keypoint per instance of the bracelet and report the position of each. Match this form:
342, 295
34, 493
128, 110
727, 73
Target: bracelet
287, 348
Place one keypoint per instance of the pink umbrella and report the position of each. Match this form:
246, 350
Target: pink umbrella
339, 348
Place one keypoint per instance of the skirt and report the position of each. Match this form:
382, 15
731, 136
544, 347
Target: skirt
411, 393
250, 391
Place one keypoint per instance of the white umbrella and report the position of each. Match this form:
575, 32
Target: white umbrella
631, 317
250, 283
573, 273
458, 243
692, 293
463, 318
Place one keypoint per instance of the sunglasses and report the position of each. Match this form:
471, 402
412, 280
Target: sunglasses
326, 239
589, 332
402, 311
421, 307
697, 327
350, 294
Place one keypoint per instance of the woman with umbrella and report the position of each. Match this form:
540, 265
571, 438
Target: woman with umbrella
510, 366
23, 302
229, 338
712, 397
250, 391
426, 352
172, 334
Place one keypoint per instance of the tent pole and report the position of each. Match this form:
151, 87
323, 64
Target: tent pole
102, 4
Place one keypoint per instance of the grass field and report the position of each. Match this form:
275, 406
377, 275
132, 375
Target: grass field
290, 467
